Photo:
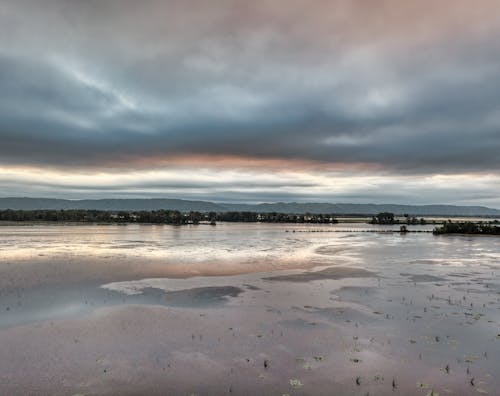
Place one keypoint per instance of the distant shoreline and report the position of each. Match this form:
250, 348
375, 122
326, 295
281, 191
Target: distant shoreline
173, 217
446, 230
469, 228
183, 205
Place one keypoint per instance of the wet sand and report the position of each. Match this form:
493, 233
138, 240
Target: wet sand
365, 314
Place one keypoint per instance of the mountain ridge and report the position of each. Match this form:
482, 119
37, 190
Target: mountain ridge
137, 204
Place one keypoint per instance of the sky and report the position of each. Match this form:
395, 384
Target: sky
363, 101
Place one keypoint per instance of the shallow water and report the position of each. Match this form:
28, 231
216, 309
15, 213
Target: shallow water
247, 309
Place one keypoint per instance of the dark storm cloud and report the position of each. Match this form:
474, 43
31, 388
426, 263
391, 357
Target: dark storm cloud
98, 83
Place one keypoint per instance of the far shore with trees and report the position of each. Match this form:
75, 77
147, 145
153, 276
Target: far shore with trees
389, 218
469, 228
448, 227
173, 217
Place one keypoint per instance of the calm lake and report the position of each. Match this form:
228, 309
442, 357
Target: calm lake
247, 309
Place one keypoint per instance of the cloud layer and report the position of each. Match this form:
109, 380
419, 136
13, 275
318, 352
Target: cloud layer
384, 90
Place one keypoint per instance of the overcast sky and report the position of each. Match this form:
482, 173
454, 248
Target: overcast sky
384, 101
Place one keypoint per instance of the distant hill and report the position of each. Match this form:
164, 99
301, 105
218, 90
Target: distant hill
282, 207
108, 204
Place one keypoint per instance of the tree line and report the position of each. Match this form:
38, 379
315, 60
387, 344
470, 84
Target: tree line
159, 216
468, 228
388, 218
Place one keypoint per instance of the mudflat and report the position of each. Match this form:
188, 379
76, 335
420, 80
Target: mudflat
246, 309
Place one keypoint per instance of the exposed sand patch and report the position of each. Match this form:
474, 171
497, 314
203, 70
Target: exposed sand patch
44, 271
423, 278
331, 250
333, 273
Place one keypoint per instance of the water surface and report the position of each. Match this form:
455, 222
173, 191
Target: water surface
247, 309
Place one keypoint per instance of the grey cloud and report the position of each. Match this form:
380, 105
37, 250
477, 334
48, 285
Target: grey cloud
92, 84
390, 192
162, 185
